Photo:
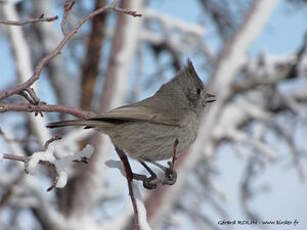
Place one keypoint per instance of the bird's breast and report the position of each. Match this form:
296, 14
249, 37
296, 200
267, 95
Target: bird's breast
149, 141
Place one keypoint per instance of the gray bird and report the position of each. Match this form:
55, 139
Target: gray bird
152, 129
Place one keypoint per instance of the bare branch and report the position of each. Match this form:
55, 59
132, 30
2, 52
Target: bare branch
41, 107
55, 175
68, 5
29, 21
129, 176
50, 141
14, 157
127, 11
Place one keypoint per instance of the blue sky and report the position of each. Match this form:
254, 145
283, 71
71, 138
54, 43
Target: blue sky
282, 34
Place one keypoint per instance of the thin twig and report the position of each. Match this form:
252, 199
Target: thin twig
29, 21
30, 95
54, 173
14, 157
55, 138
67, 8
129, 12
27, 107
49, 165
129, 177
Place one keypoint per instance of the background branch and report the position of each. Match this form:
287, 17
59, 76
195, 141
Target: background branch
41, 18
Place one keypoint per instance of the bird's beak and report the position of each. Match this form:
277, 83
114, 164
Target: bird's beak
210, 98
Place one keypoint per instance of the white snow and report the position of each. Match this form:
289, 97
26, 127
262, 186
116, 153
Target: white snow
62, 179
61, 161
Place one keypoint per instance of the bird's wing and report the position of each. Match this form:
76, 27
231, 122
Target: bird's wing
136, 112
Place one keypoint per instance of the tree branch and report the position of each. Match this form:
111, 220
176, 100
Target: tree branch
29, 21
14, 157
90, 67
68, 5
129, 177
41, 107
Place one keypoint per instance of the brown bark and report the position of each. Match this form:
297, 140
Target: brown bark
111, 78
90, 66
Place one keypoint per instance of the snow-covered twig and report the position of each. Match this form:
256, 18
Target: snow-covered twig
56, 162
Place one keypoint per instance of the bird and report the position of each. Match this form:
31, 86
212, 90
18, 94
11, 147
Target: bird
157, 128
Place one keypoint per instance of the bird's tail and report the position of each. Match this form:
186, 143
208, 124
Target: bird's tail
59, 124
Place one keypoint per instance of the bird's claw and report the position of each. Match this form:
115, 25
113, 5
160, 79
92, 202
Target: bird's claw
150, 183
170, 177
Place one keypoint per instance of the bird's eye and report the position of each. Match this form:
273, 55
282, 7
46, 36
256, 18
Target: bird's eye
195, 94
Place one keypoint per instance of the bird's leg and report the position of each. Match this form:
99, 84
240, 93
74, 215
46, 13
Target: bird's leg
170, 173
149, 182
152, 173
172, 163
170, 176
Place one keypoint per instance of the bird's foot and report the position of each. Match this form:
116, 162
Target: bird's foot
151, 183
170, 176
148, 182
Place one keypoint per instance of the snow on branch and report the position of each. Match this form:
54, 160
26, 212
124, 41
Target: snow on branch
268, 70
56, 161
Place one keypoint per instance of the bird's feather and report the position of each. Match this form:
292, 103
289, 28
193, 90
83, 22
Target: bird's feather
136, 112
